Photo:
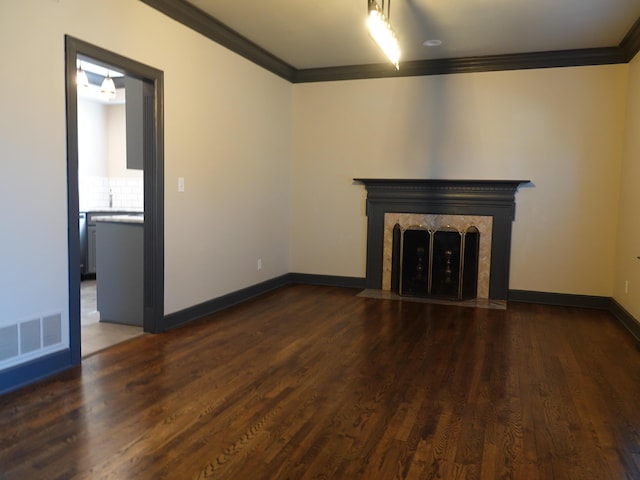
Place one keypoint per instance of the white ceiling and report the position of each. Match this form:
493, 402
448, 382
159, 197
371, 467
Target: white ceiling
330, 33
88, 66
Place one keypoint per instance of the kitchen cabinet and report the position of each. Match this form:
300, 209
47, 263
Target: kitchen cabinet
120, 265
139, 110
134, 122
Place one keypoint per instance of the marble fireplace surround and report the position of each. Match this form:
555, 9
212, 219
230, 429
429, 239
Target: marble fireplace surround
434, 222
472, 198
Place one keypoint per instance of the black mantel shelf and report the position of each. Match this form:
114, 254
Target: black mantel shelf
435, 181
495, 198
400, 188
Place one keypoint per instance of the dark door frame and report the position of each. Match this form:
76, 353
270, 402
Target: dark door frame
153, 186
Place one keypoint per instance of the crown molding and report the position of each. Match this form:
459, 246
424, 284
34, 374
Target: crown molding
95, 79
488, 63
213, 29
203, 23
631, 42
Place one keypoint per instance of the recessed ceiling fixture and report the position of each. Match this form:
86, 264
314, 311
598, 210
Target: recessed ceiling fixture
381, 31
432, 43
108, 88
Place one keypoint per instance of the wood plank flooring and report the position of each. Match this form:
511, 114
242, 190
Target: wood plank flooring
317, 383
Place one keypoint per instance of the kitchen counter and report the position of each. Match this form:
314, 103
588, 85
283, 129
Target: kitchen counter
119, 218
108, 210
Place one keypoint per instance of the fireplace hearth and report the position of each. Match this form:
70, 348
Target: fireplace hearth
461, 200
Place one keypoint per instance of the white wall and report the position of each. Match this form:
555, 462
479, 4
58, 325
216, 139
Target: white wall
102, 149
228, 134
628, 245
92, 139
227, 131
33, 253
117, 143
560, 128
103, 176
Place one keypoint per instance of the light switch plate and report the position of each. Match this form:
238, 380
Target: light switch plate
180, 184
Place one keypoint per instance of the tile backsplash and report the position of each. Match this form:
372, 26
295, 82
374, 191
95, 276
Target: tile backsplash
98, 193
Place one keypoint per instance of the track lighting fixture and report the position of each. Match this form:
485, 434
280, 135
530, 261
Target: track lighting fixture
381, 31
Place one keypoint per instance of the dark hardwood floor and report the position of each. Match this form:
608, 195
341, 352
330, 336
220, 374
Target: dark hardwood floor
317, 383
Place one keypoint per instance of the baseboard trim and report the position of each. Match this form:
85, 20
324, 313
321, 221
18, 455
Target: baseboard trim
209, 307
327, 280
201, 310
560, 299
584, 301
626, 319
14, 378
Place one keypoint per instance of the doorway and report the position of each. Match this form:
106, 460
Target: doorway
151, 146
110, 185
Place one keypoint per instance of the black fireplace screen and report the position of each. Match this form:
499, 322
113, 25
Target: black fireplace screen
441, 263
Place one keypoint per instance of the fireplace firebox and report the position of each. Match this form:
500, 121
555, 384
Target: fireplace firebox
441, 263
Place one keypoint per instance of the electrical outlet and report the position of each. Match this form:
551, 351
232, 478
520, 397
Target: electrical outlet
626, 286
259, 264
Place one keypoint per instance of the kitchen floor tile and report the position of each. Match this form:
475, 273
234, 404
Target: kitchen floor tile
98, 335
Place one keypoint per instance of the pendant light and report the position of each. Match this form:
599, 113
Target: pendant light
81, 77
108, 88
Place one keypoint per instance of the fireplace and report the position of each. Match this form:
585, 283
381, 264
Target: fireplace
486, 205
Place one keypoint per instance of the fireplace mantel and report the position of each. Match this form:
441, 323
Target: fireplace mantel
495, 198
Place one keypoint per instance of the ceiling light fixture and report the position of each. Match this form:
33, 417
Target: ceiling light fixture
108, 88
432, 43
81, 77
381, 31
